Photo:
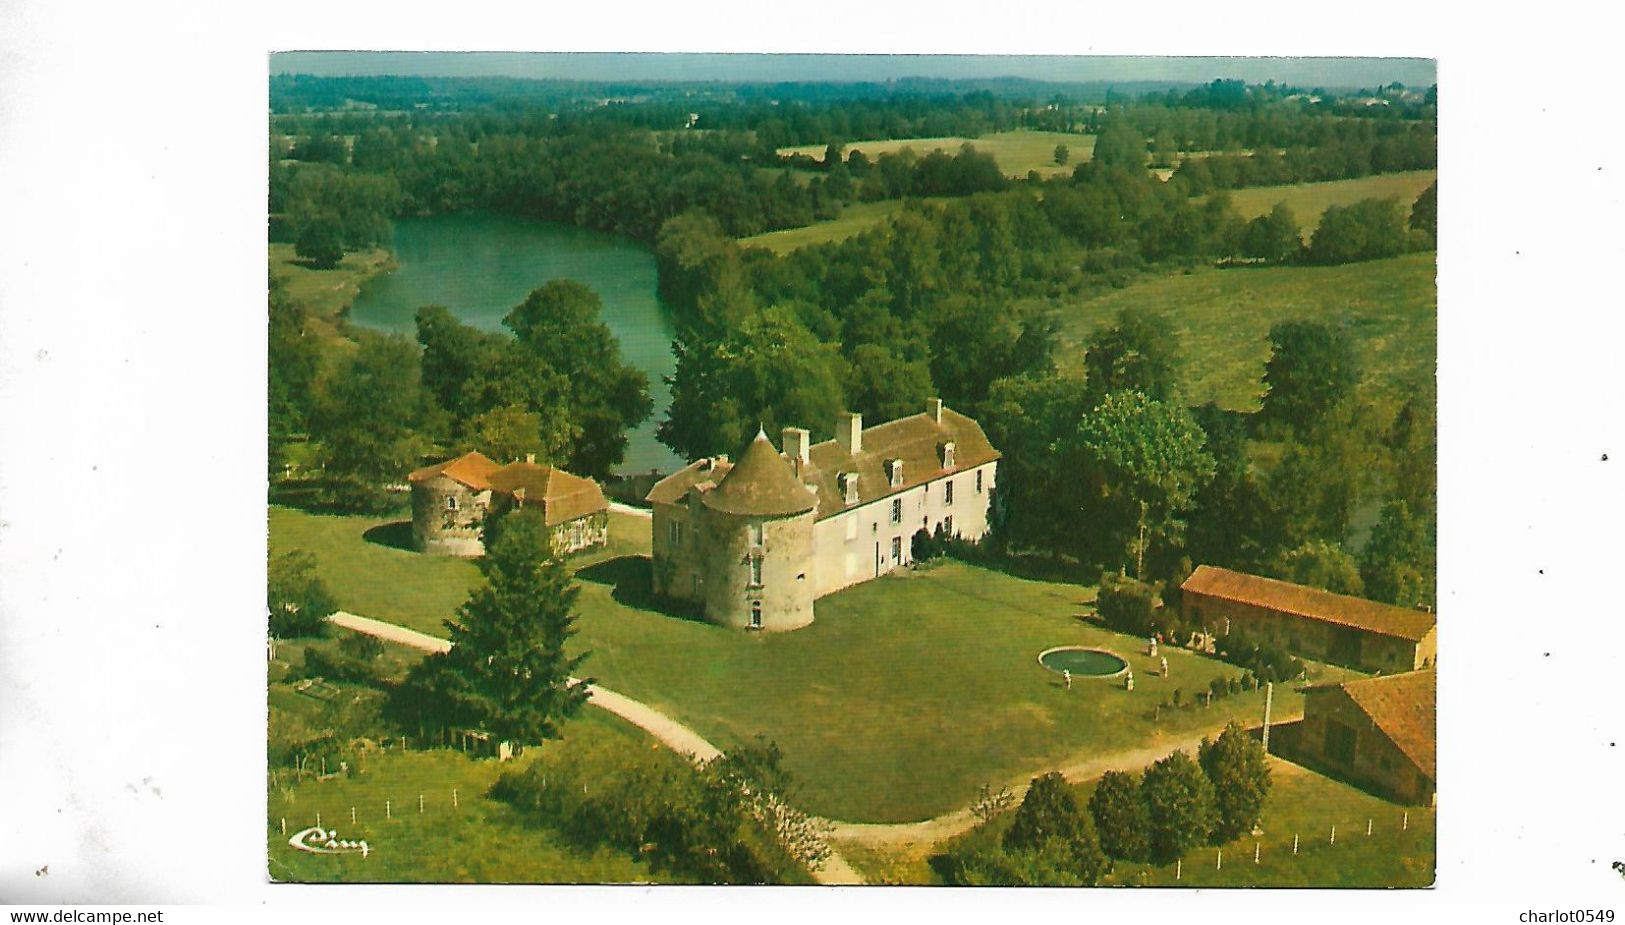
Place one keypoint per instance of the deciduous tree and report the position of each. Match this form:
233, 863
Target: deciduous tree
1236, 764
1180, 801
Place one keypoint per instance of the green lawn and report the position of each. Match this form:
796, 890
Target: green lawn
1308, 200
1017, 152
1224, 316
903, 697
476, 841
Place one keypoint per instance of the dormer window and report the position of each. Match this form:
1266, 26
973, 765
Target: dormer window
849, 486
894, 472
948, 455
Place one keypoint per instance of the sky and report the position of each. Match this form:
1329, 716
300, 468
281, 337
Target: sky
1308, 72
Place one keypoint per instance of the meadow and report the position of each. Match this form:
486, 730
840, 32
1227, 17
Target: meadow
1223, 317
854, 219
904, 696
461, 837
1016, 152
1308, 201
326, 294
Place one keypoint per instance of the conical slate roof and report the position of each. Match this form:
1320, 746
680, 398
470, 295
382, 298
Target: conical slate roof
761, 484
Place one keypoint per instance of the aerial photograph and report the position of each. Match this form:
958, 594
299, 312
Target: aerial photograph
851, 470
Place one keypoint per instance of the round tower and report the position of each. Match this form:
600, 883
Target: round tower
758, 525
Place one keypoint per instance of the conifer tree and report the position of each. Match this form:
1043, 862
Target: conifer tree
508, 671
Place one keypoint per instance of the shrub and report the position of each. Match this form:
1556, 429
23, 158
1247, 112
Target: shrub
1126, 604
725, 822
298, 601
1219, 688
361, 647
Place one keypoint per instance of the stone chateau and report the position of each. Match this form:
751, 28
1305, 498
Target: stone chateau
450, 501
753, 543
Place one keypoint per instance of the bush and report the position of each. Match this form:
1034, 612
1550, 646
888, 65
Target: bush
923, 547
361, 647
297, 601
345, 495
725, 822
1219, 688
1125, 604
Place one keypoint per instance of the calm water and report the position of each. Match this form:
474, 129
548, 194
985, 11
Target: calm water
481, 266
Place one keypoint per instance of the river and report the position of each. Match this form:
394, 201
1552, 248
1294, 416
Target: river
481, 266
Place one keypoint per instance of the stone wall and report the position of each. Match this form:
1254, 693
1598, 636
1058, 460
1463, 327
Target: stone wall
442, 529
1316, 639
1366, 758
785, 594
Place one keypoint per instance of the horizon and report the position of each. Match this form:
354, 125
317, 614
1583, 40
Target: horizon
708, 67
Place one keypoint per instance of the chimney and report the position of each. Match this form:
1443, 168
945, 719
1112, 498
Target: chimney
849, 432
797, 445
933, 407
530, 458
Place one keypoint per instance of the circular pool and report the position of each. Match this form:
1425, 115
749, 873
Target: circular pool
1083, 661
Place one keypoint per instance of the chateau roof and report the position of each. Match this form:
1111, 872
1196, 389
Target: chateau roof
760, 484
562, 496
1310, 603
1404, 707
704, 474
472, 469
916, 440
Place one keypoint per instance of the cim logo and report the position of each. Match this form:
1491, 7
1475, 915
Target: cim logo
318, 840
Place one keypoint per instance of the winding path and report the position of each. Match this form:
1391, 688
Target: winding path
835, 869
679, 738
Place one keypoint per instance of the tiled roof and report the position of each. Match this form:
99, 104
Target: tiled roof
761, 484
562, 497
705, 474
916, 440
472, 469
1404, 707
1310, 603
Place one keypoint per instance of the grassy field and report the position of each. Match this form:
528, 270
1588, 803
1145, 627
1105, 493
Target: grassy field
906, 695
855, 218
1308, 200
476, 841
1224, 317
325, 294
1017, 152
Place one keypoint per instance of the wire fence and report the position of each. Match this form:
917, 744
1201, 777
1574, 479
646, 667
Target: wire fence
1348, 852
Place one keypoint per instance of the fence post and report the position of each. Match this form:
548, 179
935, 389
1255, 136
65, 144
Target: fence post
420, 803
352, 815
284, 825
1255, 852
318, 820
387, 813
1368, 827
1218, 862
454, 798
1294, 844
1406, 822
1179, 868
1334, 834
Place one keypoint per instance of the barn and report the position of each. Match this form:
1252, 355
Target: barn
1377, 733
1337, 628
